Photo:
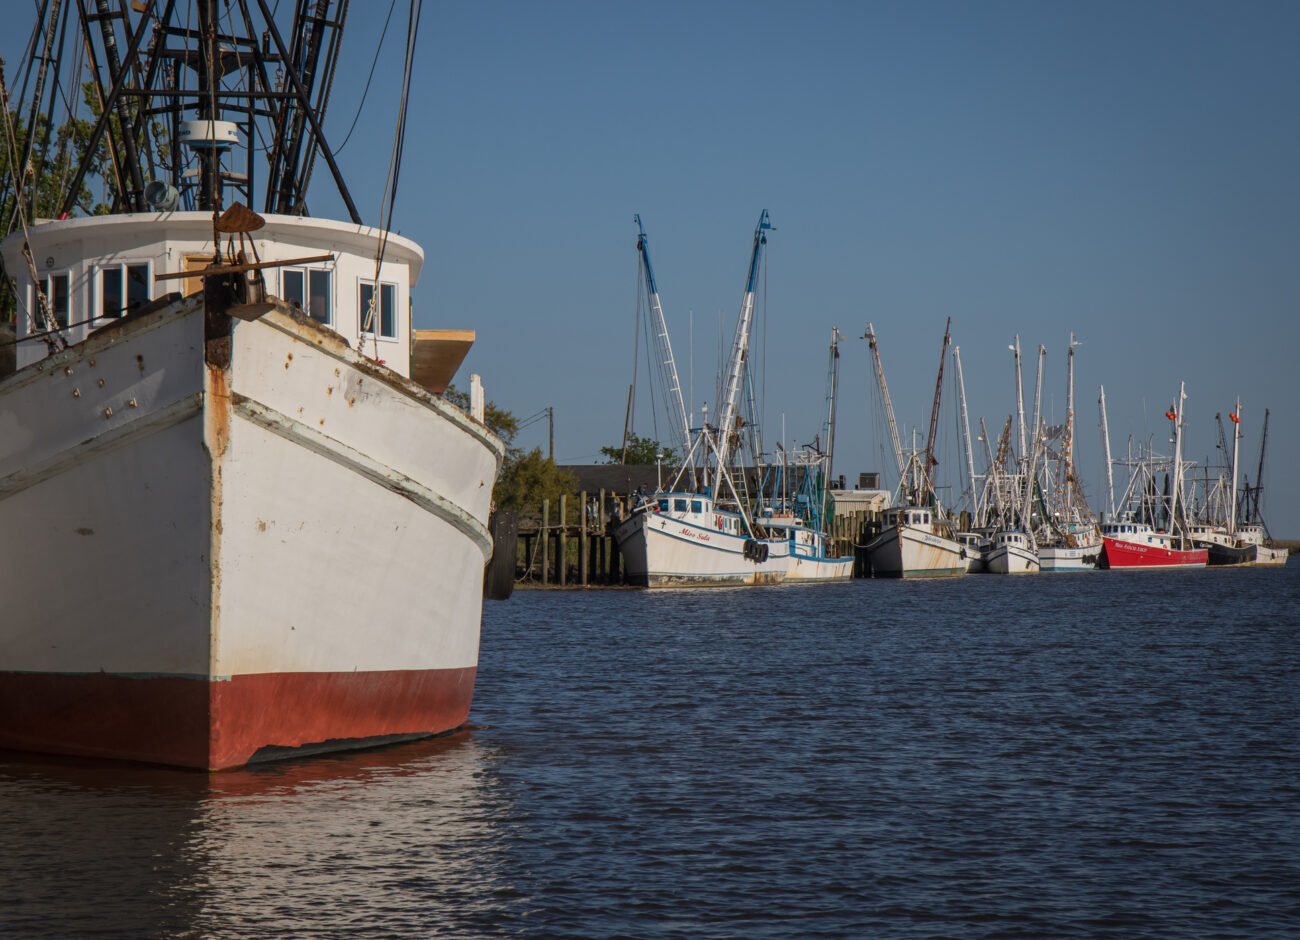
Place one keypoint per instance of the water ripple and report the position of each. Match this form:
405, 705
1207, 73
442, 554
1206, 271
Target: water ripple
1062, 756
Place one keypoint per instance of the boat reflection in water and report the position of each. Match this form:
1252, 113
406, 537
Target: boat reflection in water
405, 835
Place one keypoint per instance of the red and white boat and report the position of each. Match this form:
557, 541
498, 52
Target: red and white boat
1138, 545
1133, 542
228, 534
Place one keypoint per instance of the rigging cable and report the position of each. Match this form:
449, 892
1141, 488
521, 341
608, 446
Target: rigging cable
375, 61
56, 340
394, 166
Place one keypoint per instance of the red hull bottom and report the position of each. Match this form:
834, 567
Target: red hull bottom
1119, 554
206, 725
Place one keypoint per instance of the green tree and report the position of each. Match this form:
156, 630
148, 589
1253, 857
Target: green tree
527, 478
641, 450
43, 178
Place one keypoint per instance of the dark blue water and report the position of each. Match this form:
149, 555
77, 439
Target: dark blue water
1085, 755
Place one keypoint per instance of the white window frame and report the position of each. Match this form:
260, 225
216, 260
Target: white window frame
49, 296
100, 316
306, 291
362, 284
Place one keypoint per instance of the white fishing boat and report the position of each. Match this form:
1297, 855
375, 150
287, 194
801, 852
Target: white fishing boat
975, 549
1070, 555
697, 532
685, 540
810, 558
795, 498
915, 538
913, 543
1252, 547
236, 528
1012, 553
1068, 537
1240, 541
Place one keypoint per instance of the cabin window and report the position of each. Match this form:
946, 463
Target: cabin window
679, 505
309, 290
696, 506
385, 313
122, 287
663, 505
57, 292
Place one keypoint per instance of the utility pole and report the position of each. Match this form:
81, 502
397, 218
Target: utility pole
550, 433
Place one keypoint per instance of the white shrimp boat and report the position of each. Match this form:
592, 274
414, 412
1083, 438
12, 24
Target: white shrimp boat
684, 540
1012, 553
975, 548
1244, 541
911, 544
1066, 557
694, 534
235, 537
1249, 548
915, 540
808, 558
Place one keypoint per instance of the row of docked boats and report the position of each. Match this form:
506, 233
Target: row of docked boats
1025, 514
1028, 512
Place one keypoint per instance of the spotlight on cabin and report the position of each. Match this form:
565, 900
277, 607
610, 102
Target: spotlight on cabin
161, 196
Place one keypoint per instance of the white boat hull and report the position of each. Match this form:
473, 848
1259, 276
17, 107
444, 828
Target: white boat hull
1269, 557
1012, 559
805, 570
660, 551
909, 552
226, 562
1060, 558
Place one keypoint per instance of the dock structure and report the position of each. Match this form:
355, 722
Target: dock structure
572, 545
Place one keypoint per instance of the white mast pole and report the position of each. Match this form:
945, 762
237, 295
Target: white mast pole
1178, 459
739, 349
1068, 456
1236, 441
667, 363
870, 337
1105, 440
830, 421
965, 430
1036, 432
1020, 399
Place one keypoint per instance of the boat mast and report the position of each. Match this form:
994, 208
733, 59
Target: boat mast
1236, 443
1105, 440
1020, 398
930, 462
670, 380
992, 475
832, 396
1178, 459
1256, 516
188, 78
1067, 448
965, 431
739, 348
1036, 432
870, 337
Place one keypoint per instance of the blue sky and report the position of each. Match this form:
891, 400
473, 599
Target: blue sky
1124, 171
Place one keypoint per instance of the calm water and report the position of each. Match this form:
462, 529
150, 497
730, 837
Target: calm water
1068, 755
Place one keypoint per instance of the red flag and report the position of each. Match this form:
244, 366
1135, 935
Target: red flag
1170, 415
1234, 418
